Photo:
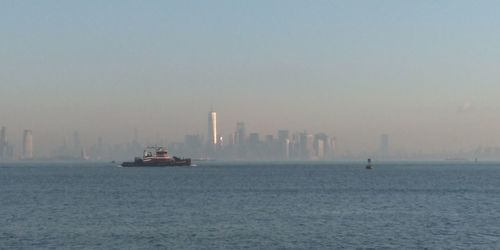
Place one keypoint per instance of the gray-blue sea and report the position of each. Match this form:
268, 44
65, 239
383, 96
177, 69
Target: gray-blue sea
250, 206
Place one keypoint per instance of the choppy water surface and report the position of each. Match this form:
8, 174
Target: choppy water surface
256, 206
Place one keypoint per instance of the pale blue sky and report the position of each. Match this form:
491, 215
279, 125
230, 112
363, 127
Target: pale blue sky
353, 69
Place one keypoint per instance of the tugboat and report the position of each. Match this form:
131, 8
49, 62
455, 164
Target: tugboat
157, 157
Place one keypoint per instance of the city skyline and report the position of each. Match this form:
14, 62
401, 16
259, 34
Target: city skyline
424, 73
236, 144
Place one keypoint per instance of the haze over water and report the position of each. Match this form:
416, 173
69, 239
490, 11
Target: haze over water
425, 72
340, 80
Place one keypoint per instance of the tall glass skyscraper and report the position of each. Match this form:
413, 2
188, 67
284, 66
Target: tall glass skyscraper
212, 128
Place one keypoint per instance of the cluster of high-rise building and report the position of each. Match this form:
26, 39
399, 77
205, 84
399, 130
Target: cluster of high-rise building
240, 145
7, 149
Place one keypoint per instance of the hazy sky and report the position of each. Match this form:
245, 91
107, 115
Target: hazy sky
425, 72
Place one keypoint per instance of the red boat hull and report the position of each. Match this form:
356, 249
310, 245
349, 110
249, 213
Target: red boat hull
163, 163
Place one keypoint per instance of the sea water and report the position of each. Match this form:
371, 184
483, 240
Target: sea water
250, 206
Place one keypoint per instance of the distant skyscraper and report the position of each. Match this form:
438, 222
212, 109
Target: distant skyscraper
306, 142
323, 146
269, 139
240, 135
3, 143
384, 145
230, 139
284, 144
220, 142
294, 150
27, 145
319, 145
333, 147
253, 139
212, 128
283, 135
285, 149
